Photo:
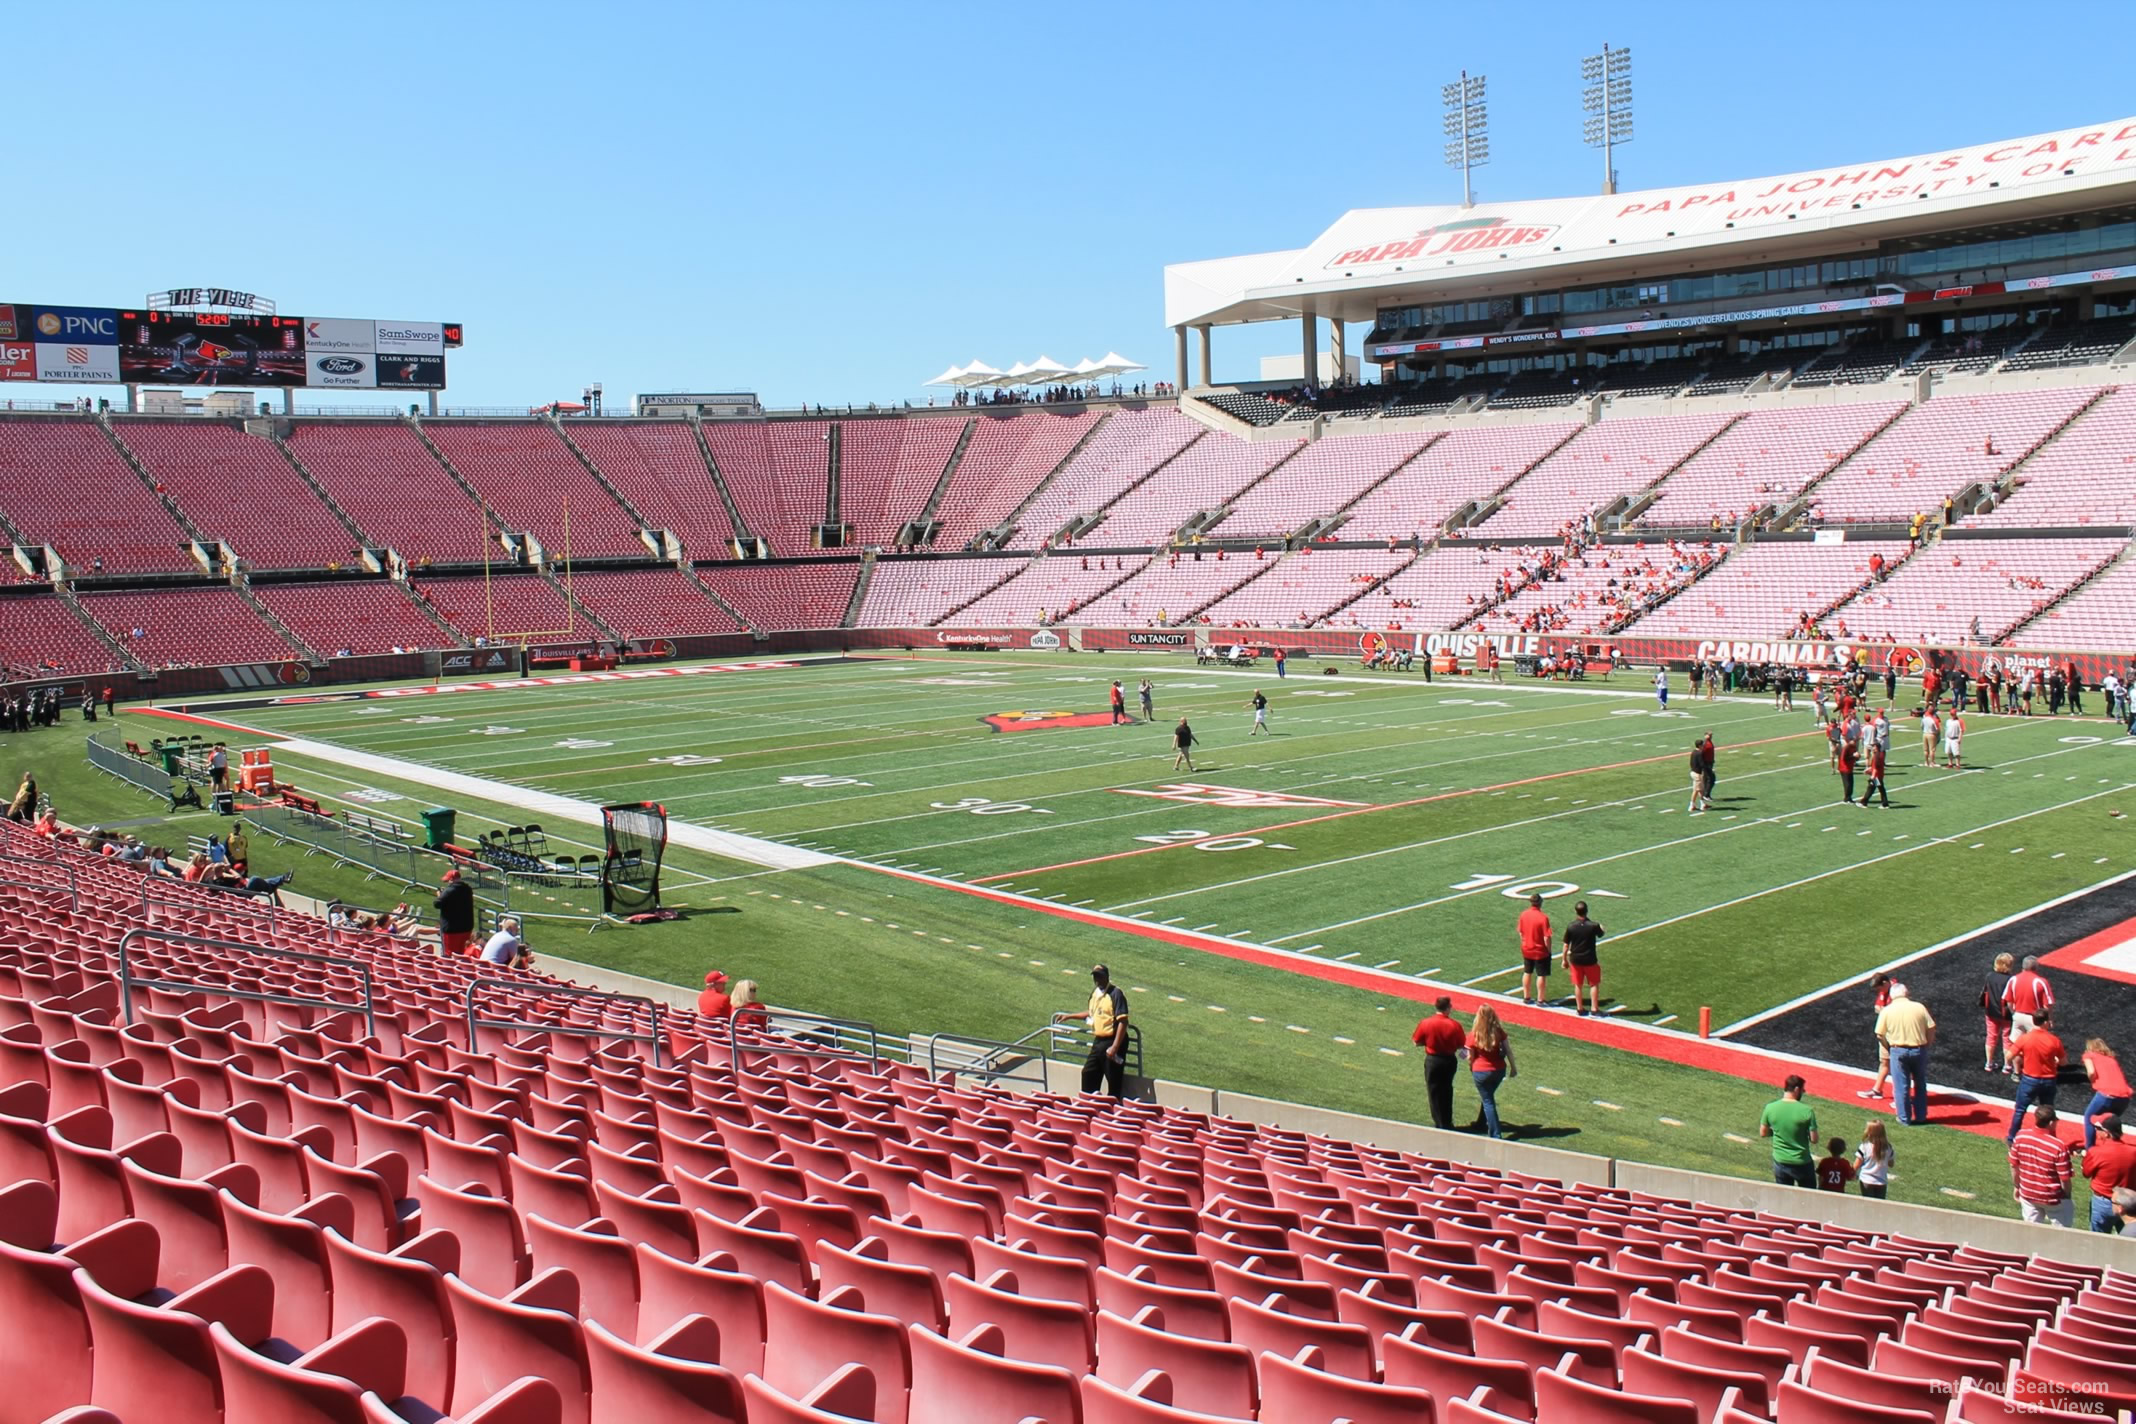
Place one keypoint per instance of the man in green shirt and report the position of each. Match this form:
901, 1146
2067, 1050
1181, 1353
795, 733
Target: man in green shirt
1792, 1126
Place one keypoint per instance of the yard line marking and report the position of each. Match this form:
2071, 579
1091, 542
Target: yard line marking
1553, 1092
1495, 974
1665, 1019
1351, 955
1736, 1137
1389, 964
1295, 1029
1613, 1107
1392, 1052
1670, 1121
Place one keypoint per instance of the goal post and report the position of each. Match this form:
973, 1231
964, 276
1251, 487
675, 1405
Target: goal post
636, 834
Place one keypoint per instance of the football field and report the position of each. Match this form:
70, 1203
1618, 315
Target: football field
1376, 843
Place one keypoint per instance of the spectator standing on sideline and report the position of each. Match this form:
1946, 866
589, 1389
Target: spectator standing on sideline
1873, 1159
1148, 693
2028, 996
455, 902
713, 1003
1712, 776
1183, 744
1534, 930
2110, 1167
1844, 748
1107, 1017
1661, 686
1259, 704
1443, 1041
1792, 1126
1119, 703
219, 767
1698, 779
2040, 1173
1490, 1063
2110, 1086
1583, 960
2039, 1056
1908, 1030
1880, 987
1995, 1011
238, 846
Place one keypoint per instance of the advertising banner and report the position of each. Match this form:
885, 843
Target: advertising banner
344, 370
410, 338
327, 334
410, 373
93, 326
18, 360
77, 362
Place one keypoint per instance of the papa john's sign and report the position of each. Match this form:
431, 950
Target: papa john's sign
1445, 239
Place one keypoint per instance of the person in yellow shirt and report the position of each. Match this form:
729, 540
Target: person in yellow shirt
1907, 1029
1107, 1017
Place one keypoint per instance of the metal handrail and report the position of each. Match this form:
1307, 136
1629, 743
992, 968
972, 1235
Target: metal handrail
174, 898
1131, 1060
572, 991
127, 982
73, 890
1035, 1049
794, 1018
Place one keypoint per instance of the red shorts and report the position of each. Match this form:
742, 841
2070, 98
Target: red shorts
1585, 975
451, 944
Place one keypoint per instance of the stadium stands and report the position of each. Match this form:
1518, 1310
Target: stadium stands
1600, 588
235, 1211
2085, 477
1305, 587
1050, 589
1972, 590
1762, 461
62, 484
1470, 464
780, 477
2102, 614
182, 627
1126, 449
913, 593
394, 489
660, 470
237, 487
650, 603
1206, 476
40, 634
504, 607
1937, 449
780, 596
364, 617
1768, 589
886, 471
1606, 462
1320, 479
537, 486
1007, 459
1446, 587
1169, 589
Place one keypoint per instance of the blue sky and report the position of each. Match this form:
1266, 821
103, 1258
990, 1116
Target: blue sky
833, 202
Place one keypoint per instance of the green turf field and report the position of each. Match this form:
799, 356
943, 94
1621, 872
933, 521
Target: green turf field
1385, 824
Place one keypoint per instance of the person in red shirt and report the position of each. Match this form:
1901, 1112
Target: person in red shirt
1847, 753
1442, 1038
1534, 927
2039, 1056
1881, 985
2028, 996
2110, 1086
2040, 1173
2109, 1165
1490, 1063
1834, 1171
713, 1003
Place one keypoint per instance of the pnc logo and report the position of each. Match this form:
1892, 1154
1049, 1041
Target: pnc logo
1447, 239
48, 323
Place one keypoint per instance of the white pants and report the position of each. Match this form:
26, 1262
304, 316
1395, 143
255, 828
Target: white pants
2062, 1213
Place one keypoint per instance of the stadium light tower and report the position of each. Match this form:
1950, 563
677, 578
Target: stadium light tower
1468, 139
1608, 101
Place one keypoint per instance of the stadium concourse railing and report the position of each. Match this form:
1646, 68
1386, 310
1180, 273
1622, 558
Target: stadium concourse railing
993, 1061
30, 873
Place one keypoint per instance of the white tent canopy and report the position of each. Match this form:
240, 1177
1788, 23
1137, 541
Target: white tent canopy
1044, 371
977, 374
1115, 364
954, 376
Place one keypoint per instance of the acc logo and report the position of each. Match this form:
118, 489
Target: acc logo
1044, 721
1445, 239
340, 365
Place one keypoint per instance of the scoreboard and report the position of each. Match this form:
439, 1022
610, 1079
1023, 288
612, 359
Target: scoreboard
157, 346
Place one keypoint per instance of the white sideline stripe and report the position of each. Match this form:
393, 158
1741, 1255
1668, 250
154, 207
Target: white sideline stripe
1889, 965
748, 849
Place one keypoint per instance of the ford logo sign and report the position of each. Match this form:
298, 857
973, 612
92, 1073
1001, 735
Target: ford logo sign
340, 366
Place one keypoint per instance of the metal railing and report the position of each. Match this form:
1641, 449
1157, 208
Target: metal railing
116, 761
988, 1060
166, 893
128, 983
817, 1037
1131, 1059
474, 1024
15, 870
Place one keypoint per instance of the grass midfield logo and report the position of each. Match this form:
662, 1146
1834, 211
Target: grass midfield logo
1044, 721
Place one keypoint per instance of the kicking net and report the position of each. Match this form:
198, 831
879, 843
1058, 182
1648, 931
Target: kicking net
630, 871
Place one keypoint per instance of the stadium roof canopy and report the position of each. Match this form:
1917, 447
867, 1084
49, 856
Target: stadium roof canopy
1378, 257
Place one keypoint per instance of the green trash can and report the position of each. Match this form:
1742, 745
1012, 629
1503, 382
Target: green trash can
438, 827
173, 759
